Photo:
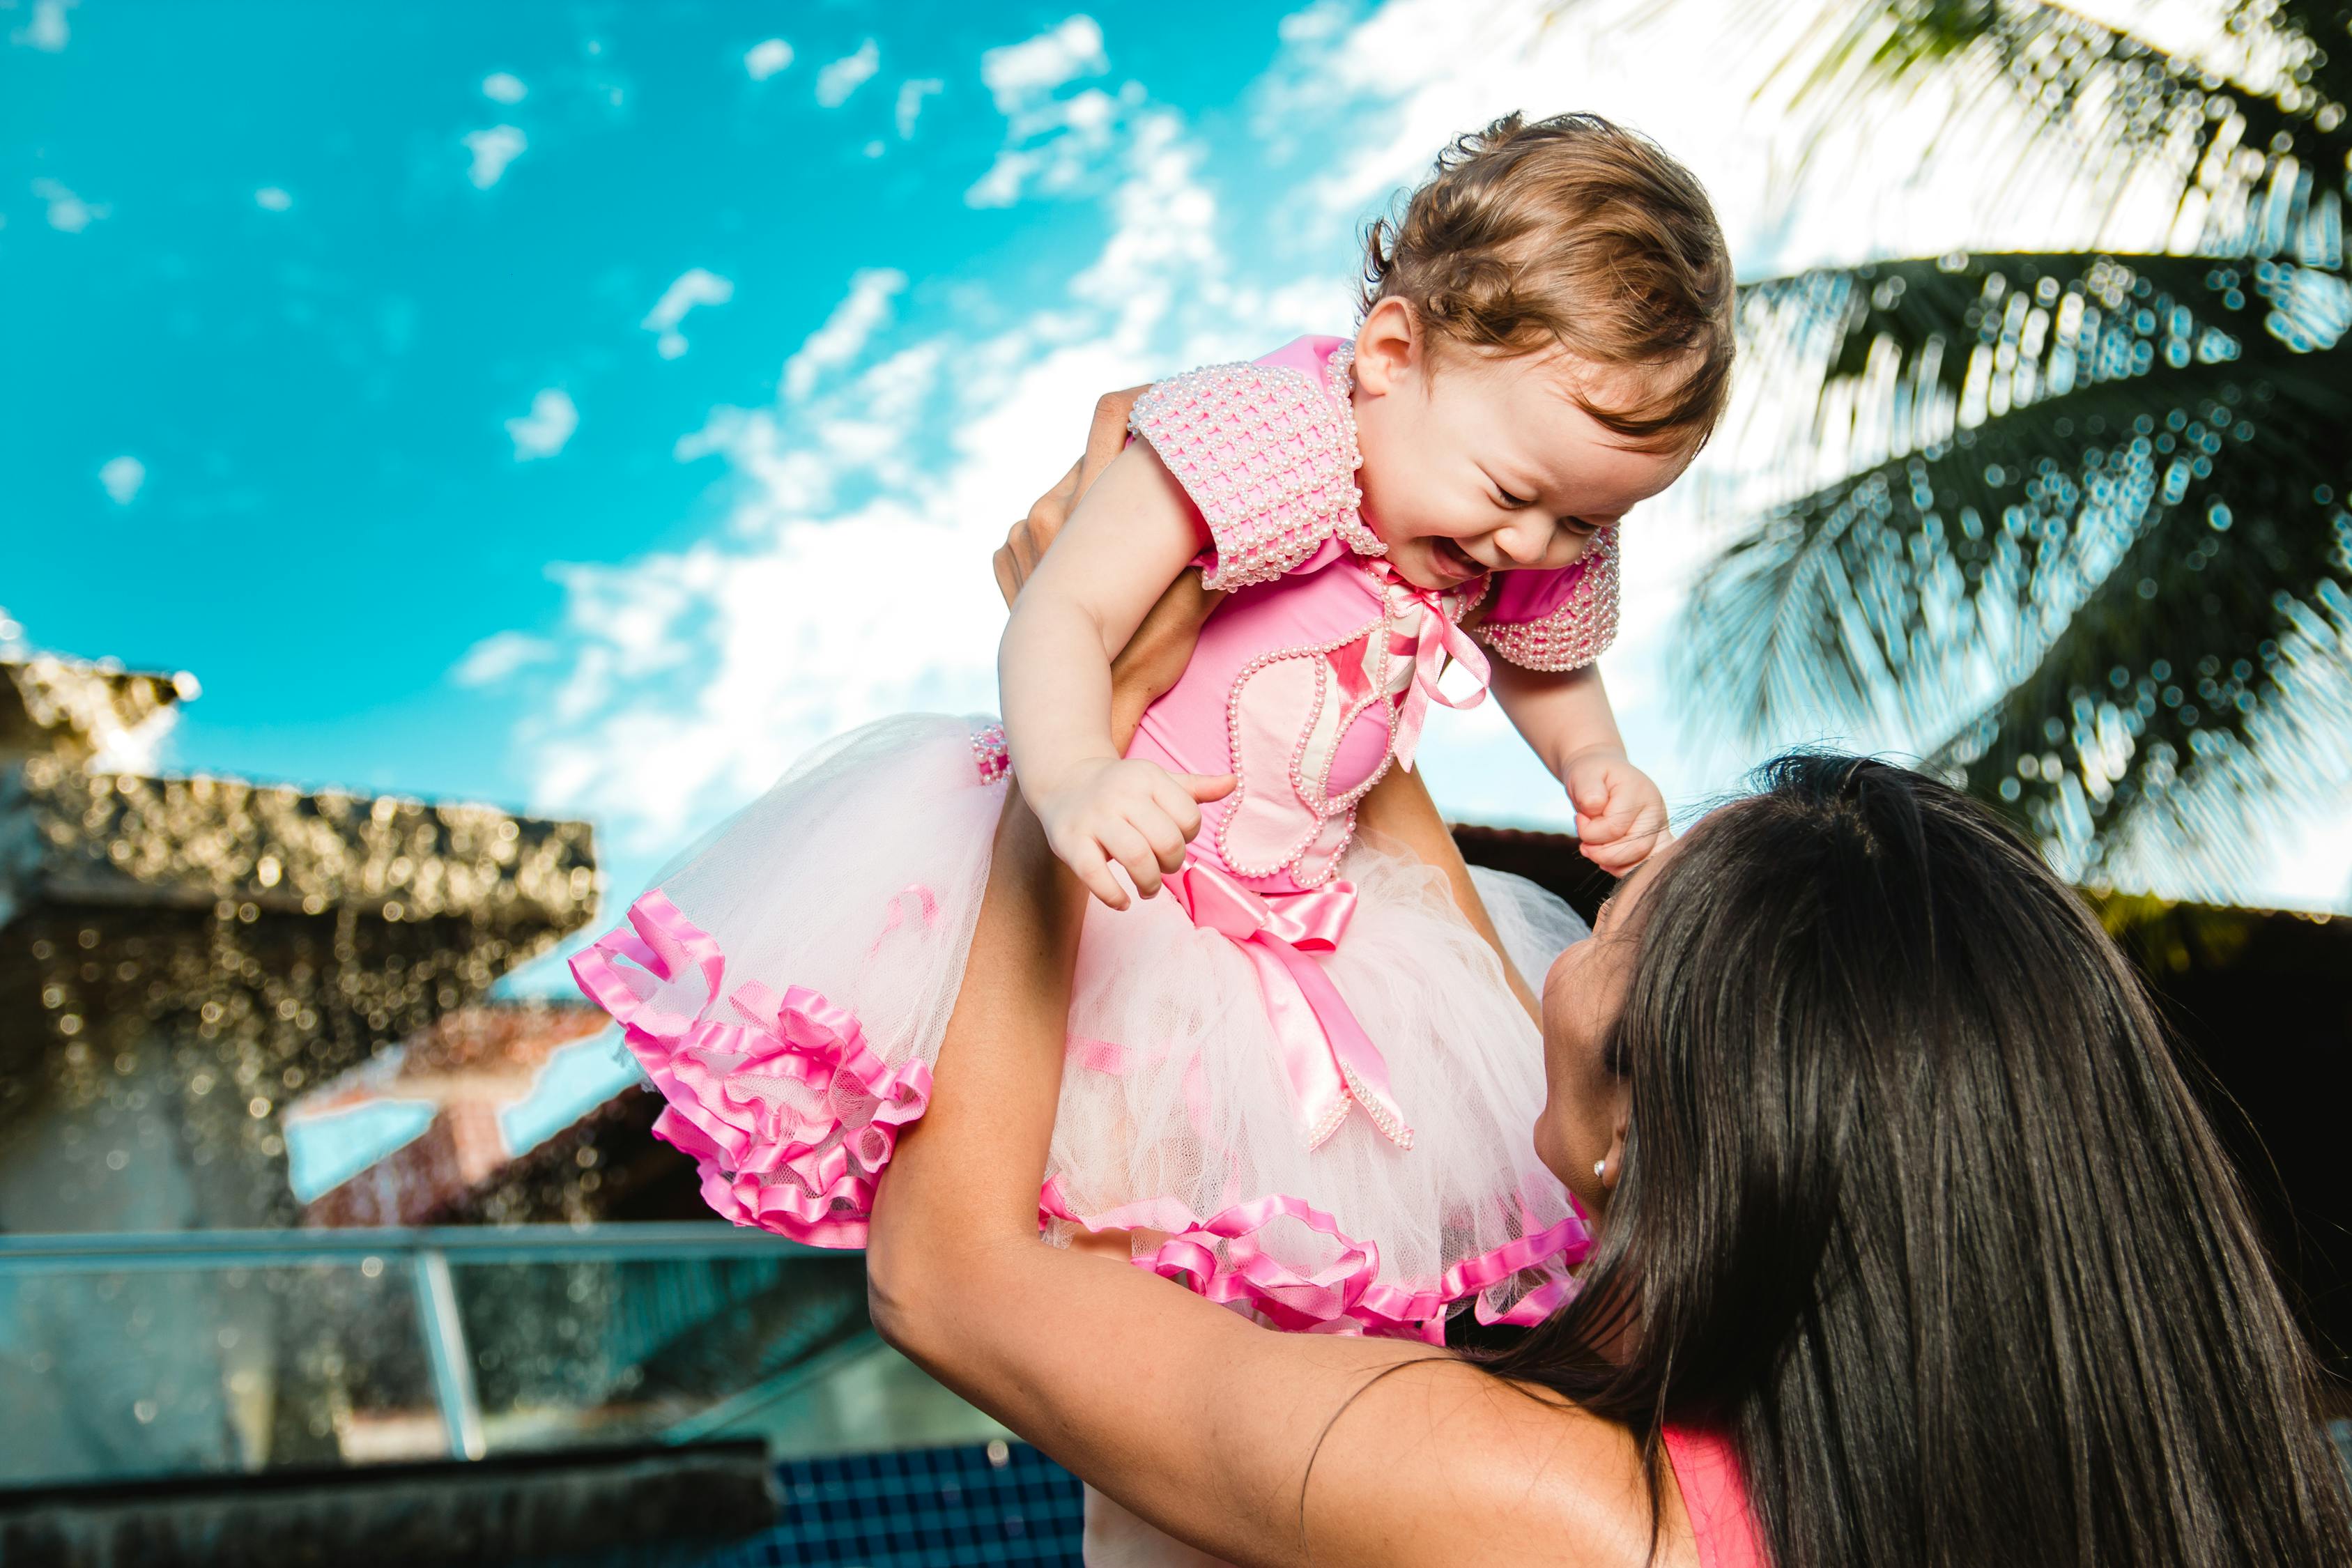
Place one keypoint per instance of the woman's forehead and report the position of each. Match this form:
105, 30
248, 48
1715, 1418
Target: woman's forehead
1627, 895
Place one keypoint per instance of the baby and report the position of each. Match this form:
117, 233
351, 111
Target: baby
1299, 1081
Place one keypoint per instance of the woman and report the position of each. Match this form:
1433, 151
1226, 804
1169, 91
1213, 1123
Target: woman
1914, 1249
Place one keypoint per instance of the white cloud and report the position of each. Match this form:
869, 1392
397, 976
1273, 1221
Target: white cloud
1018, 75
844, 75
913, 465
498, 655
543, 432
47, 30
493, 150
122, 477
911, 94
843, 336
68, 213
504, 87
696, 286
1051, 144
272, 199
764, 59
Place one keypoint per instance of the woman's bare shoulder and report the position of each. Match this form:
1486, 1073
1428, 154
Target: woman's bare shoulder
1437, 1459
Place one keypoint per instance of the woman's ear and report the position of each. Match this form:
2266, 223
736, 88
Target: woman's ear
1613, 1165
1388, 347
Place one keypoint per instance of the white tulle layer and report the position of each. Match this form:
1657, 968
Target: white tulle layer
787, 984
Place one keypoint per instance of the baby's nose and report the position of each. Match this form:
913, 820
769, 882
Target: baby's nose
1524, 544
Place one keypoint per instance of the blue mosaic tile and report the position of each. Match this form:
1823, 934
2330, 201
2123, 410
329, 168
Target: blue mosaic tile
927, 1508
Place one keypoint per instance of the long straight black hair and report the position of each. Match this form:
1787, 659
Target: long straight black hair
1918, 1211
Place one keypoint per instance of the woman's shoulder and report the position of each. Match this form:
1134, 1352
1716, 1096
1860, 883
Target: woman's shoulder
1265, 449
1497, 1469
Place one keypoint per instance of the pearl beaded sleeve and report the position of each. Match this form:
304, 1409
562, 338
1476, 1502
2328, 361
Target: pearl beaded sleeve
1269, 457
1575, 632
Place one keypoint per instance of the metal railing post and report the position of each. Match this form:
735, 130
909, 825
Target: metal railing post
453, 1364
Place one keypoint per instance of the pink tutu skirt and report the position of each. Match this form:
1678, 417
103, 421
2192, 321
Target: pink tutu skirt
785, 986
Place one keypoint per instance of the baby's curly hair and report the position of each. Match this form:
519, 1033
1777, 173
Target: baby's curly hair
1574, 232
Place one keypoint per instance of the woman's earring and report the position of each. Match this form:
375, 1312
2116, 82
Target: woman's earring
1601, 1168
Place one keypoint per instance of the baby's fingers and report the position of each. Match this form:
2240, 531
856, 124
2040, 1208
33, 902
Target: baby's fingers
1617, 859
1129, 847
1180, 796
1163, 832
1620, 818
1085, 859
1207, 786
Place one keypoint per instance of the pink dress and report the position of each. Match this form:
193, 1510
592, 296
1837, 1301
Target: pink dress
1715, 1496
1299, 1080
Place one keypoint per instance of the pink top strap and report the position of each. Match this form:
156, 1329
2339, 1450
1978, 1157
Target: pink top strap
1715, 1499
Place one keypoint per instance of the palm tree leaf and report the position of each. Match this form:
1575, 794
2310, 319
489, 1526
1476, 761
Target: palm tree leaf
2199, 673
2008, 485
2240, 151
2027, 324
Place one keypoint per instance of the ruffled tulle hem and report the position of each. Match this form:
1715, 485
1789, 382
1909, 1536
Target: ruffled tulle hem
801, 1163
806, 1166
1224, 1258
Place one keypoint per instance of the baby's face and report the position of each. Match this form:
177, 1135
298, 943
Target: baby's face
1489, 464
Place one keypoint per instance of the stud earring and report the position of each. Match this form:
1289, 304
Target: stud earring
1601, 1168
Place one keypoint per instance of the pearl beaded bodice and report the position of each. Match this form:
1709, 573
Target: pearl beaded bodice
1303, 681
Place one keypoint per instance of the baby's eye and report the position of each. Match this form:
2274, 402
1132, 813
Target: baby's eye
1580, 527
1509, 501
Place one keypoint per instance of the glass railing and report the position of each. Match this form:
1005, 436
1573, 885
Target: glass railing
217, 1352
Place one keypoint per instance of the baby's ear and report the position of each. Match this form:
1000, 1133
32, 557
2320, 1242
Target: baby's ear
1388, 345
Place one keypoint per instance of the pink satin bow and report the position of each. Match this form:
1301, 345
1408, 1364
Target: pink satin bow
1325, 1055
1437, 639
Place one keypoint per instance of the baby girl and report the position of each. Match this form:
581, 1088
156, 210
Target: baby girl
1299, 1080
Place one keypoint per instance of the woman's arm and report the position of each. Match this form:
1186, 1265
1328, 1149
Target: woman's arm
1193, 1417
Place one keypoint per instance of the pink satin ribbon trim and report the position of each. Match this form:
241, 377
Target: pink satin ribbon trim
827, 1157
1345, 1296
1438, 639
1327, 1059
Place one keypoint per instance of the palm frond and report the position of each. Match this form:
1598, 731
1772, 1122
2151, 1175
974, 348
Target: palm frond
2079, 407
2235, 130
2200, 674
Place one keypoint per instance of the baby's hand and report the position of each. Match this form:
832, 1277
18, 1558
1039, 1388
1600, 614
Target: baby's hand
1620, 816
1135, 812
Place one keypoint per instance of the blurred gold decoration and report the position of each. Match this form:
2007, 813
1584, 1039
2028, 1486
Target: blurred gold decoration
71, 711
183, 956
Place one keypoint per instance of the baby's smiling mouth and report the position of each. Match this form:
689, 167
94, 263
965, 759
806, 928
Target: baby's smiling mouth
1452, 557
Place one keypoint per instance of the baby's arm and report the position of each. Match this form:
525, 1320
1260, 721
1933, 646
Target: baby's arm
1620, 816
1132, 535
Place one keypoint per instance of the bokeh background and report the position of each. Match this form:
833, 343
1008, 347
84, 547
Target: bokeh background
583, 408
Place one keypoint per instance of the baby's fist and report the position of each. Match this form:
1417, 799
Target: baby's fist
1135, 814
1621, 816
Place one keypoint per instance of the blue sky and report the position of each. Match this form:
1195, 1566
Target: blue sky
280, 288
587, 407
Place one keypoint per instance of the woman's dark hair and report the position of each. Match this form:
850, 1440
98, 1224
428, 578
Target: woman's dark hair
1918, 1211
